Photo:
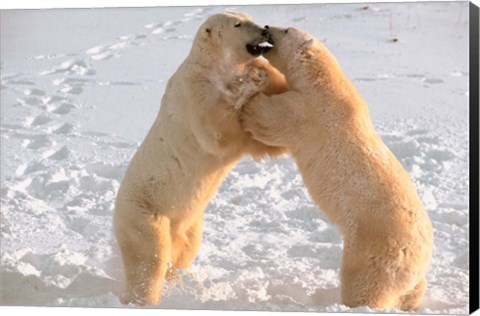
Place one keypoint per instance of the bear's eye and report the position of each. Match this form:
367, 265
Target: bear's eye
238, 24
286, 31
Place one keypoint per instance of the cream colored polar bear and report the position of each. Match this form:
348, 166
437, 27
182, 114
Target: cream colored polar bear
349, 172
193, 143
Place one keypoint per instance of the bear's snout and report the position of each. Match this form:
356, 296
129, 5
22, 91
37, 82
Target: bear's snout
263, 45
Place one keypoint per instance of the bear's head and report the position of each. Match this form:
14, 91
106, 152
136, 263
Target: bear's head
233, 36
290, 45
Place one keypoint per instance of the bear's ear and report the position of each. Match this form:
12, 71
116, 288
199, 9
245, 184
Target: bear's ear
207, 31
305, 49
307, 44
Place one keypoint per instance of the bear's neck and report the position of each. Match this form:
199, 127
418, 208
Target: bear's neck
212, 62
320, 76
201, 56
219, 71
316, 66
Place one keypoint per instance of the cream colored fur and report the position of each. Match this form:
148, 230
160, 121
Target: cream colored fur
193, 143
349, 172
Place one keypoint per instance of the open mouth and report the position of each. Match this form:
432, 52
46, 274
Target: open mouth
254, 49
260, 48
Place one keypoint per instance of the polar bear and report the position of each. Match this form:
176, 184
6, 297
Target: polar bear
195, 140
348, 171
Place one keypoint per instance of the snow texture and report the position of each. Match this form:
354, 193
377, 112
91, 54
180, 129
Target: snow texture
80, 89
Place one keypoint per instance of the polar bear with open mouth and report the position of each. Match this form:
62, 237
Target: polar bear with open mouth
195, 140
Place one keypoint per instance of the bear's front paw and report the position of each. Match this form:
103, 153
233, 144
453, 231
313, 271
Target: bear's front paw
253, 81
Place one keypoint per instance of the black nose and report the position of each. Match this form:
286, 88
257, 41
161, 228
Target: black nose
265, 31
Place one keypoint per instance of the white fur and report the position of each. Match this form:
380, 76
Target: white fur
195, 140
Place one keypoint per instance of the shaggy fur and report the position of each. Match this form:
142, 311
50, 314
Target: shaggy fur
195, 140
349, 172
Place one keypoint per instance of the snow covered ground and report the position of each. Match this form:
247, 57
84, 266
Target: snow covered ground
80, 89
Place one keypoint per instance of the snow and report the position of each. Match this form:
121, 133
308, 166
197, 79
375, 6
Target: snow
80, 89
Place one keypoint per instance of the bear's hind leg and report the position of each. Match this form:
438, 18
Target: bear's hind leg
411, 301
145, 246
357, 291
363, 283
185, 247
